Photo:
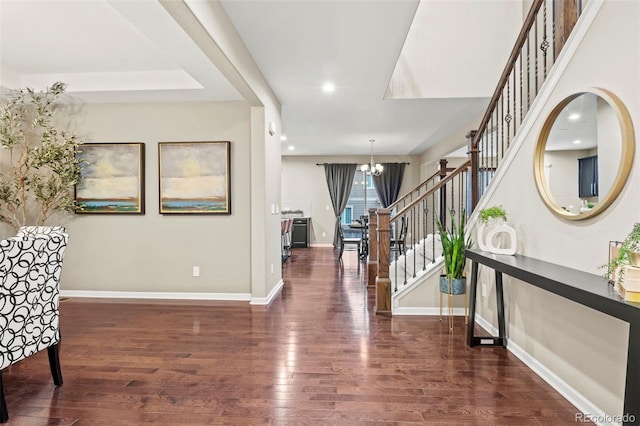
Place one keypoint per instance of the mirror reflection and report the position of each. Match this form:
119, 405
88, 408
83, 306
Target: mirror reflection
581, 161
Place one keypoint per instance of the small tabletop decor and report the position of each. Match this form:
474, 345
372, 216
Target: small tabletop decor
492, 229
623, 267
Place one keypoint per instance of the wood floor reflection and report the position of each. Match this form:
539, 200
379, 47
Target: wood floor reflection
318, 355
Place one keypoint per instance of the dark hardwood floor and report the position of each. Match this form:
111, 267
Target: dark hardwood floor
318, 355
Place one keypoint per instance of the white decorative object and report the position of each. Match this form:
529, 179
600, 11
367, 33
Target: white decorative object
491, 237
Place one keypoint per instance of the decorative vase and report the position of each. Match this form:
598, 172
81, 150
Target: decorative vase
453, 286
491, 237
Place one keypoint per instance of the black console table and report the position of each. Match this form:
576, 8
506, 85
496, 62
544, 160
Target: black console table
581, 287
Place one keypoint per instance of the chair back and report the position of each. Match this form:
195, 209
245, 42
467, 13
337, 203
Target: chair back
404, 225
25, 231
29, 295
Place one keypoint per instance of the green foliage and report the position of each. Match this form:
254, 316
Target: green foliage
493, 212
454, 244
39, 166
629, 246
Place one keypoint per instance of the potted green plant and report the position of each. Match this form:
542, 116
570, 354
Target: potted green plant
493, 233
40, 166
454, 243
624, 254
494, 212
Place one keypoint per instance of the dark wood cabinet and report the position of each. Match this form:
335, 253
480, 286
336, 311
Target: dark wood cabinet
588, 177
300, 234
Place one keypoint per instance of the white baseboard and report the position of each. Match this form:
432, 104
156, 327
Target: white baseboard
320, 245
272, 294
175, 296
582, 404
155, 295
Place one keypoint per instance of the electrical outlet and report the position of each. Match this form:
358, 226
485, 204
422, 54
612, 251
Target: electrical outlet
196, 271
484, 290
324, 234
272, 268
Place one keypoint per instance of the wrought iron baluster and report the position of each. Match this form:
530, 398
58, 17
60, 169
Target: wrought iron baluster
501, 127
508, 117
521, 86
535, 43
544, 46
528, 74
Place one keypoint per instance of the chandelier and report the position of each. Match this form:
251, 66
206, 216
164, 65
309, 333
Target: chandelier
374, 168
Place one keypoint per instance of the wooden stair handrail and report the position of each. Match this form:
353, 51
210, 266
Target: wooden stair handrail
439, 185
513, 57
423, 183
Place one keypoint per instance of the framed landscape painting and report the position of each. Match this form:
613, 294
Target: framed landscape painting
194, 177
111, 178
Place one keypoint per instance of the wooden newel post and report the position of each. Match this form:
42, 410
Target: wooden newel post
383, 283
443, 191
443, 168
372, 265
473, 154
565, 16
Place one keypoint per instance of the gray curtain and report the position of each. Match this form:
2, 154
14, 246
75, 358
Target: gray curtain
339, 180
388, 183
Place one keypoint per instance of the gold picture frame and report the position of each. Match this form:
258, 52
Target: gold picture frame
111, 178
194, 177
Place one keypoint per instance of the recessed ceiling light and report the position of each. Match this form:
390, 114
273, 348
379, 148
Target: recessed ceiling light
577, 141
283, 137
291, 147
574, 116
328, 87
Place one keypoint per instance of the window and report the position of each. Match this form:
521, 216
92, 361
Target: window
363, 196
369, 180
347, 215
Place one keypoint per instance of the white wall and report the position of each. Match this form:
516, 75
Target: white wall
152, 252
464, 63
584, 348
304, 186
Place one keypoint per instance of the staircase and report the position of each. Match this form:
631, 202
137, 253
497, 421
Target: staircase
451, 193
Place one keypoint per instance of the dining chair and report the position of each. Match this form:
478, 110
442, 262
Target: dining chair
398, 240
344, 241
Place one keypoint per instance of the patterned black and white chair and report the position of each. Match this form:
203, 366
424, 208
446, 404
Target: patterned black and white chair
40, 230
30, 270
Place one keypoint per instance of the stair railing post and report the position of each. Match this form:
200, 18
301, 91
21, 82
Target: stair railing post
443, 168
473, 156
372, 264
443, 191
383, 283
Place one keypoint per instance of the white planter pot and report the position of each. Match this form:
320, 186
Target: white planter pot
496, 236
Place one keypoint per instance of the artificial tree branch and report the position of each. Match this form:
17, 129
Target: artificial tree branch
38, 153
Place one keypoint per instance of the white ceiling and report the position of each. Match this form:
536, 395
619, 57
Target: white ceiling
133, 51
575, 127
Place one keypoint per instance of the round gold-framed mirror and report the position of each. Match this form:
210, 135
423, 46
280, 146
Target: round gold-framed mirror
584, 154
